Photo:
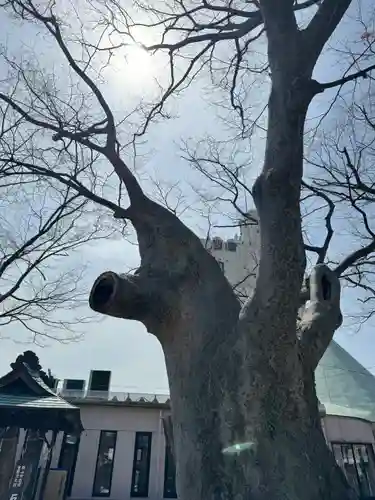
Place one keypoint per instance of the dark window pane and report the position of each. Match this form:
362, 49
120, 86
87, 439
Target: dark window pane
365, 467
231, 246
104, 464
100, 380
349, 466
169, 474
68, 459
357, 461
217, 243
74, 384
141, 464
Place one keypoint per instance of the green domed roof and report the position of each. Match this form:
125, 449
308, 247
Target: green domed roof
344, 386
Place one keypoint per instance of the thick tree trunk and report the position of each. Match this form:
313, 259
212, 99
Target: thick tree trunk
245, 433
245, 414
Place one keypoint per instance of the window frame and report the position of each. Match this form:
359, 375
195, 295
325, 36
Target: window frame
371, 453
217, 243
72, 471
168, 455
231, 246
135, 494
104, 495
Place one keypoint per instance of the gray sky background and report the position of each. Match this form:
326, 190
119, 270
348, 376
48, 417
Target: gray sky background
124, 347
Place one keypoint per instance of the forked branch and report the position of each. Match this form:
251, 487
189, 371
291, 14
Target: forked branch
322, 26
323, 315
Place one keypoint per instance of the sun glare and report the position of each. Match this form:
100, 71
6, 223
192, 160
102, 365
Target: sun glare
132, 62
138, 62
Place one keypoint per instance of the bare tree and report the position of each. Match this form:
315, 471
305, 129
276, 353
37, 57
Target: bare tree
244, 408
228, 164
344, 173
44, 217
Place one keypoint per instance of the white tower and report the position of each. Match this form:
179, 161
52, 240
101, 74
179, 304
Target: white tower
238, 256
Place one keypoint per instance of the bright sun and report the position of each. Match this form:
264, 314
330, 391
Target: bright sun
139, 62
136, 66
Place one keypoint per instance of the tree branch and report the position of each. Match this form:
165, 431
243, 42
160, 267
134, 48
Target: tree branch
119, 296
50, 22
323, 315
304, 5
323, 249
322, 26
238, 30
363, 73
110, 150
67, 180
354, 257
348, 186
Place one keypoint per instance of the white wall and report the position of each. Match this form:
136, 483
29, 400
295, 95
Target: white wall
348, 430
243, 262
126, 421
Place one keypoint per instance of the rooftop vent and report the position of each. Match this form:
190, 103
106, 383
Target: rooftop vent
74, 384
99, 380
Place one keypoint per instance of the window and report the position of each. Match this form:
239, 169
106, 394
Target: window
74, 384
231, 246
217, 243
141, 464
169, 474
100, 380
357, 462
68, 459
104, 464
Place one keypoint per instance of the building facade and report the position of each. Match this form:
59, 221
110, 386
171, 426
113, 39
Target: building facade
238, 256
123, 454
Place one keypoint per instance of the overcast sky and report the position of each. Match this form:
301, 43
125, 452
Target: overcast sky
124, 347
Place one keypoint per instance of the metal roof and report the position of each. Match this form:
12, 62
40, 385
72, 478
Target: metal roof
344, 386
29, 402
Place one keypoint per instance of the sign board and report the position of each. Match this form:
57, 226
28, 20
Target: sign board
20, 480
25, 473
